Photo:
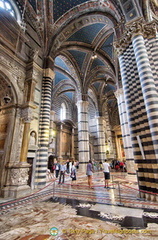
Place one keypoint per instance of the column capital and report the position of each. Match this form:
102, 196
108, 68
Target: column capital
82, 96
33, 71
99, 117
81, 102
132, 29
48, 72
26, 114
119, 92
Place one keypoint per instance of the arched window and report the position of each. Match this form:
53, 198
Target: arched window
63, 111
11, 7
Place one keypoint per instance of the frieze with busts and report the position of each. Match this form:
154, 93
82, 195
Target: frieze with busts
135, 28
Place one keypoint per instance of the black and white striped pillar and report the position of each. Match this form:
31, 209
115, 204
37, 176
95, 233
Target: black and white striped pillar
100, 139
44, 125
125, 132
150, 97
83, 134
141, 98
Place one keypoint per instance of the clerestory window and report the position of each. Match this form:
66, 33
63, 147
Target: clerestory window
10, 6
63, 111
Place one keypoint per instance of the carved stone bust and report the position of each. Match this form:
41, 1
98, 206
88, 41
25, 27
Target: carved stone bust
32, 141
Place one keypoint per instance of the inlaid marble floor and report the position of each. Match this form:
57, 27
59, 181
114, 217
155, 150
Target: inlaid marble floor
68, 212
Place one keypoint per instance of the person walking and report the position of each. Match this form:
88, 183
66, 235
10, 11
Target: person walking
73, 173
62, 173
57, 169
89, 173
68, 166
106, 170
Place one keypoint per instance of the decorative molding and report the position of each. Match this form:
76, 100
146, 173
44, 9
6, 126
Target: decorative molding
105, 6
77, 25
118, 92
17, 73
135, 28
19, 176
48, 72
27, 114
33, 54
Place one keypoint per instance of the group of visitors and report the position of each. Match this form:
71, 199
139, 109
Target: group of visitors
70, 167
65, 167
120, 166
106, 170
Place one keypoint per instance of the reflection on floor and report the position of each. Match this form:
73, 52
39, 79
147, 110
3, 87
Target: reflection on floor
76, 212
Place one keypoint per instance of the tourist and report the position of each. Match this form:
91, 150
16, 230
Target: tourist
106, 170
57, 169
68, 166
73, 173
62, 173
89, 173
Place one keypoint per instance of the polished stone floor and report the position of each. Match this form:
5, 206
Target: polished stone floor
65, 212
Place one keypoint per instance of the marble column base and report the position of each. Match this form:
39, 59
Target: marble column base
16, 191
17, 182
149, 197
82, 167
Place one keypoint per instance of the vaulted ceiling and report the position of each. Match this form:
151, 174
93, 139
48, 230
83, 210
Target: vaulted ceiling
74, 48
81, 36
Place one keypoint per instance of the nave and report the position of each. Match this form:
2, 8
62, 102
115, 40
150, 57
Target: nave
77, 212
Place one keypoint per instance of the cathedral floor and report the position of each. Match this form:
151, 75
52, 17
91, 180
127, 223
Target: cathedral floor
76, 212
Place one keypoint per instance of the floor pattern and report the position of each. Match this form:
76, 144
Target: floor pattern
77, 212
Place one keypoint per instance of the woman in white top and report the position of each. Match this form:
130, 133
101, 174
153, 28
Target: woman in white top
106, 169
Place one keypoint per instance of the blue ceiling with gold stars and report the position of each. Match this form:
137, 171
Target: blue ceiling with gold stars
78, 57
97, 62
107, 46
33, 3
87, 34
60, 7
92, 37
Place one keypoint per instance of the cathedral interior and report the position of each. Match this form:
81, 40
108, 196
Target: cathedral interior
78, 82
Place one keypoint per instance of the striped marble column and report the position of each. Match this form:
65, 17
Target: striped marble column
100, 139
83, 134
44, 125
149, 90
131, 111
125, 132
150, 96
72, 145
113, 150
